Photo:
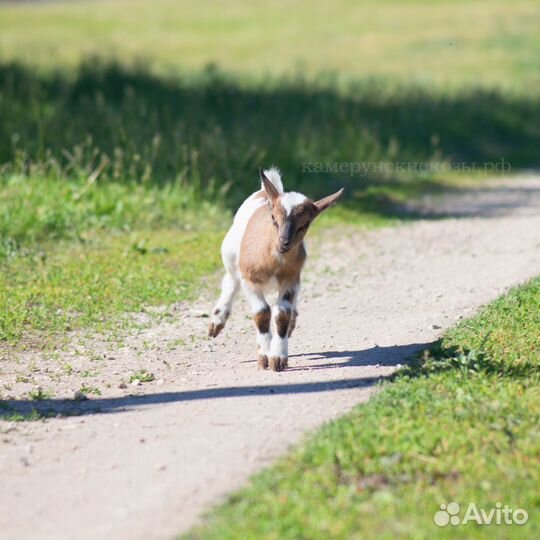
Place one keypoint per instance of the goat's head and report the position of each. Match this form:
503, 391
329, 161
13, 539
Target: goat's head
292, 213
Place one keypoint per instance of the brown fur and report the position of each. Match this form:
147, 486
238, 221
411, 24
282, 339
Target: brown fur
215, 329
282, 322
301, 214
259, 260
292, 323
277, 363
262, 320
269, 228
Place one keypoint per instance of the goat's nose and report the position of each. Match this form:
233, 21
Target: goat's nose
284, 241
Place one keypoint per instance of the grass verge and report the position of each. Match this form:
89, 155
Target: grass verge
74, 285
76, 253
459, 424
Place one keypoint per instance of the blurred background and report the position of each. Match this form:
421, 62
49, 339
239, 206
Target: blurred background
130, 130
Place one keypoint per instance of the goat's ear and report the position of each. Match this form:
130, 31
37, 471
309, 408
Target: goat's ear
325, 203
270, 189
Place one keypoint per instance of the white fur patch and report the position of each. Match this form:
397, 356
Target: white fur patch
274, 176
230, 249
292, 199
279, 346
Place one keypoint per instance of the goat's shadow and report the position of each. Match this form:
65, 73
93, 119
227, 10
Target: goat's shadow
374, 356
383, 356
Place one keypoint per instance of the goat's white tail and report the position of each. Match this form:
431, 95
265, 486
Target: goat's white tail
274, 176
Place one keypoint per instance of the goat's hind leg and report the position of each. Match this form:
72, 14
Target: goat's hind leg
222, 309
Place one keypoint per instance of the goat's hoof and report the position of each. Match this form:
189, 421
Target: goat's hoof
262, 361
278, 363
215, 329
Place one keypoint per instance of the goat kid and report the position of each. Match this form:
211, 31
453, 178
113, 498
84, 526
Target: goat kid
264, 251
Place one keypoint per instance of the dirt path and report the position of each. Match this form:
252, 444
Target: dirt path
144, 461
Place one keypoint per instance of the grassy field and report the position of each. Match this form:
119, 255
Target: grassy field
462, 43
458, 425
99, 151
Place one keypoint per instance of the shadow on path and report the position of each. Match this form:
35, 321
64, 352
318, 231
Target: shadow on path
382, 356
388, 356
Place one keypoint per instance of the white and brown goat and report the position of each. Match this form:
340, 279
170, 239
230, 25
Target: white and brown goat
263, 252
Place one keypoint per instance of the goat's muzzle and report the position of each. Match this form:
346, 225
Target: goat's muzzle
284, 245
286, 238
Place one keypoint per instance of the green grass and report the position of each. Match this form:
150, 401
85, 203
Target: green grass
75, 253
93, 283
33, 416
459, 44
212, 131
206, 134
34, 210
142, 376
459, 424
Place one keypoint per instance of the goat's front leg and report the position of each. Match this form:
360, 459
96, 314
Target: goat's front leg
291, 295
283, 318
261, 316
